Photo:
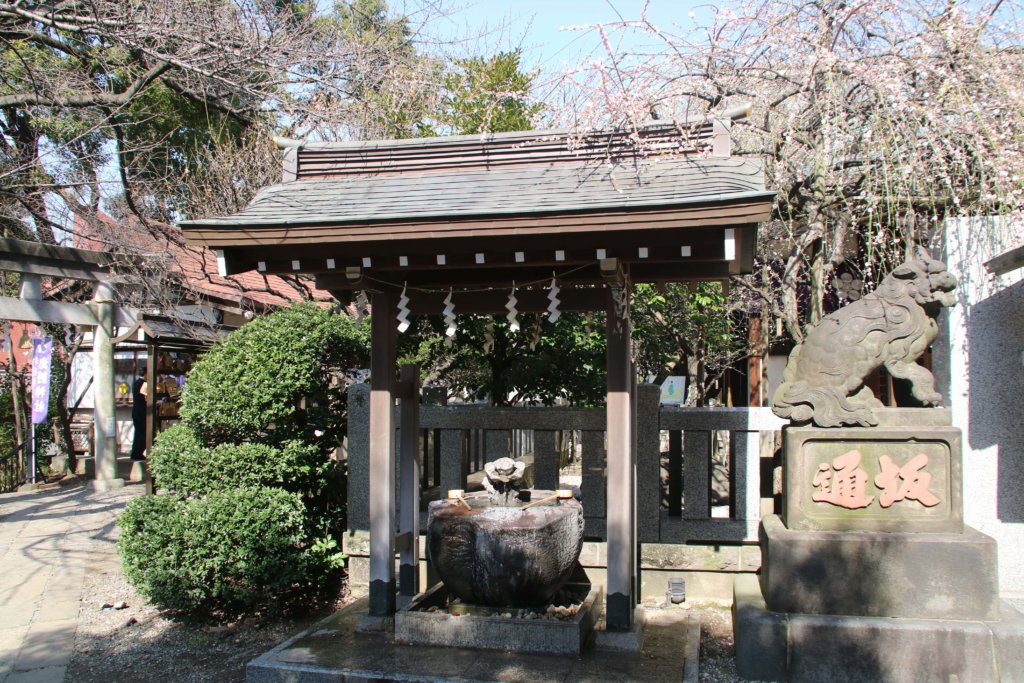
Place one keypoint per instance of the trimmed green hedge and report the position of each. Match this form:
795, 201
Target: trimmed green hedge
269, 381
181, 463
228, 551
254, 505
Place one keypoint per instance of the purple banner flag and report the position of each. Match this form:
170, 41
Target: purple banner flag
42, 350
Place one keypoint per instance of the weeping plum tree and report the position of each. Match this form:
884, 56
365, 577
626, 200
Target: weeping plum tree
876, 120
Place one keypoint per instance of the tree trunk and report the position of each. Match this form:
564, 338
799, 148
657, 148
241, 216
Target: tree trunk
816, 280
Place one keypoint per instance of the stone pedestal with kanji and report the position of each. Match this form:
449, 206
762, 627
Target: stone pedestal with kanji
869, 574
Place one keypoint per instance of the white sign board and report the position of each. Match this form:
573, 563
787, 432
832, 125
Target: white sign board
673, 390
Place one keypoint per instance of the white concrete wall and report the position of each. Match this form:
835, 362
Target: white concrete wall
979, 365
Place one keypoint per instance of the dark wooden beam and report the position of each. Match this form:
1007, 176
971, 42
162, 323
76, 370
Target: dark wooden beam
612, 272
1004, 263
621, 592
409, 482
530, 301
555, 251
382, 460
501, 279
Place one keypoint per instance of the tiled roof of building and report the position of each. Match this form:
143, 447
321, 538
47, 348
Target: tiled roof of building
196, 265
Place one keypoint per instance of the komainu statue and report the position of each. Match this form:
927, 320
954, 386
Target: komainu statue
891, 327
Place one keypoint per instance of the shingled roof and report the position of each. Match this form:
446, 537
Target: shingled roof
667, 200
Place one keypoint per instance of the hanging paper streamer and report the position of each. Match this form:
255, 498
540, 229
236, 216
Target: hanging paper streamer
449, 318
403, 311
513, 321
489, 336
586, 325
553, 291
362, 303
535, 334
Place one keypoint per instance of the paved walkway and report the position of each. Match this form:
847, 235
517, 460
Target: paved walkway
49, 540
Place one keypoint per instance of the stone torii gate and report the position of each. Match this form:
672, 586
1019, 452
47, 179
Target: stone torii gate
457, 224
34, 261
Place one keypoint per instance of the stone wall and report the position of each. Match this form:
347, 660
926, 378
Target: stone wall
979, 366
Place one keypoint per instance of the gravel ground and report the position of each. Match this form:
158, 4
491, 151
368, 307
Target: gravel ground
137, 643
120, 636
717, 664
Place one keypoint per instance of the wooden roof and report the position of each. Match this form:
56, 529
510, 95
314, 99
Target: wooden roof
473, 212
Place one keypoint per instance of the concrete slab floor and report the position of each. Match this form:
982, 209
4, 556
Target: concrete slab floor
332, 651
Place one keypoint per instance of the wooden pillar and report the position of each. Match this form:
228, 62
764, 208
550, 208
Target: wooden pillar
105, 422
756, 389
621, 489
409, 482
152, 419
382, 460
151, 416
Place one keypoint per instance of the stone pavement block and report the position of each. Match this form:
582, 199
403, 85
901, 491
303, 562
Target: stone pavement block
503, 666
10, 639
53, 674
57, 610
47, 644
10, 643
16, 614
28, 589
63, 592
606, 667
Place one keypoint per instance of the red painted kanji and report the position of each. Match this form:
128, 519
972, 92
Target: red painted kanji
905, 483
843, 483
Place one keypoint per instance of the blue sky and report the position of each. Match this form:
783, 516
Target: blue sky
536, 24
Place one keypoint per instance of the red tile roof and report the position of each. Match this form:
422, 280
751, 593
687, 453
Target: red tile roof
194, 266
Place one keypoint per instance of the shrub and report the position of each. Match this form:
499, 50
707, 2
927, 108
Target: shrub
271, 381
228, 551
254, 503
181, 463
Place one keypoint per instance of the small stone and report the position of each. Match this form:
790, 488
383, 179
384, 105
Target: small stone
131, 621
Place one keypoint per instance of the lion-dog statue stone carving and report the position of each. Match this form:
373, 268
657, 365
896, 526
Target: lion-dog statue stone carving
824, 380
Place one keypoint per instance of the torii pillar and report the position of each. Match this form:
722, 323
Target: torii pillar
104, 416
33, 261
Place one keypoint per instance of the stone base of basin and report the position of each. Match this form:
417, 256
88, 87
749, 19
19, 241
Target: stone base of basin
416, 626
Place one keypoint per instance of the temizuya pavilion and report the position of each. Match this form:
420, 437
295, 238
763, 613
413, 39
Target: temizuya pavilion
472, 218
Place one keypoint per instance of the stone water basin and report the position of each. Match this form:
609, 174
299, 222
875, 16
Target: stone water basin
499, 555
